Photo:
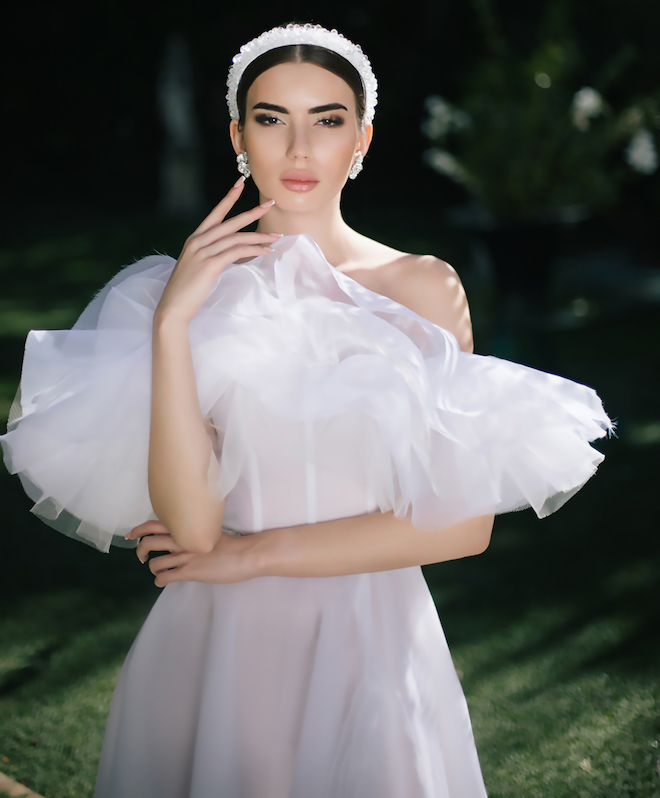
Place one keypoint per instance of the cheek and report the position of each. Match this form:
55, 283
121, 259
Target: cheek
261, 147
336, 151
265, 161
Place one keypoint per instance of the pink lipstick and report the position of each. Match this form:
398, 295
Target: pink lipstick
299, 180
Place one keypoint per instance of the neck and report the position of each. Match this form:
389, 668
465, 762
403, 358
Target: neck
327, 227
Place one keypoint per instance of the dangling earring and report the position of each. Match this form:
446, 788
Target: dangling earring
357, 166
243, 165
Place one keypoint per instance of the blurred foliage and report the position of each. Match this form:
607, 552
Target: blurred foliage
83, 130
528, 137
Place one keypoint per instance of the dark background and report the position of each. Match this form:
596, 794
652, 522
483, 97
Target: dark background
81, 129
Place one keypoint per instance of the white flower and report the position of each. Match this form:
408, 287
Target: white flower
587, 103
443, 118
641, 154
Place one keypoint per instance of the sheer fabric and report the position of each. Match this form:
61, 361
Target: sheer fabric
328, 401
318, 389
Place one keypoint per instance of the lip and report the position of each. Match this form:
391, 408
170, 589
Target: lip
299, 180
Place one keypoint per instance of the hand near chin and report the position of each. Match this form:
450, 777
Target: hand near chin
214, 245
228, 562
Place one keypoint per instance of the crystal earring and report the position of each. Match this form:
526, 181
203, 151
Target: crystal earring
243, 165
357, 166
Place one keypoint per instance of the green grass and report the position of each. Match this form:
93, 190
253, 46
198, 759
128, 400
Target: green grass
61, 655
554, 630
556, 645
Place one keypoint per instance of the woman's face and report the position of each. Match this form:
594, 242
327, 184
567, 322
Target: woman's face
301, 134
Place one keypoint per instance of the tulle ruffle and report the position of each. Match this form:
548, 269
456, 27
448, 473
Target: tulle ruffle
328, 400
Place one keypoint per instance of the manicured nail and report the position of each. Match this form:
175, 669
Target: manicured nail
269, 249
279, 235
267, 204
239, 182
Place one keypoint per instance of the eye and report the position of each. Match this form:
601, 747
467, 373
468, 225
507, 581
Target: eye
265, 119
331, 121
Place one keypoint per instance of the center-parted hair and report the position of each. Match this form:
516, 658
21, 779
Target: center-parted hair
301, 54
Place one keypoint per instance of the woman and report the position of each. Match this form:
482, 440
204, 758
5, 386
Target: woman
304, 404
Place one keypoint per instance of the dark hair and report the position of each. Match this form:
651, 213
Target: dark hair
301, 54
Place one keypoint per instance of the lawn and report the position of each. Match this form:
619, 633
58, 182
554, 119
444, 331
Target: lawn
554, 630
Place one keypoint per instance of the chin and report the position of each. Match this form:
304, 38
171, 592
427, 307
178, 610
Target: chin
308, 201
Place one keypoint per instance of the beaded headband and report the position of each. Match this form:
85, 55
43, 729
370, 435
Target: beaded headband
303, 34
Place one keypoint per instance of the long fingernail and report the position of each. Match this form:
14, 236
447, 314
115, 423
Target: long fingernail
267, 204
279, 235
239, 182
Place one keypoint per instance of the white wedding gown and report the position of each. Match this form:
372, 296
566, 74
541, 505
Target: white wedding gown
328, 401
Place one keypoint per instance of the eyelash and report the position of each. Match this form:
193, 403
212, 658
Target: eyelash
334, 121
264, 119
326, 121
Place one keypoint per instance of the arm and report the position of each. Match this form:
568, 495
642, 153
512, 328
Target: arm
366, 543
180, 448
375, 542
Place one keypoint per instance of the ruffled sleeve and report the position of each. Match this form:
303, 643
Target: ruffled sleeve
328, 400
78, 431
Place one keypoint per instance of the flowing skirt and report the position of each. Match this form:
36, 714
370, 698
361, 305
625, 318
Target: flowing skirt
282, 687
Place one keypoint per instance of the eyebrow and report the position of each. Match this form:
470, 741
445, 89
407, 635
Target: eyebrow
320, 109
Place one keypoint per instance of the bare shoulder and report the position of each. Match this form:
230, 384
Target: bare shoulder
427, 285
431, 288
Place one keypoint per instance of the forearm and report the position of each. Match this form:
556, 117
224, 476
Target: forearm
375, 542
180, 450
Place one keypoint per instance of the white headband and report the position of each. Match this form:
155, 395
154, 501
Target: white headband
303, 34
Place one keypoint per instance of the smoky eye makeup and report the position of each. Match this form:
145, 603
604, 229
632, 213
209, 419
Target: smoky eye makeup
325, 121
266, 119
331, 121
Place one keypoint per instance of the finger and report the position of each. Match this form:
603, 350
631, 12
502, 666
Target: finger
242, 220
156, 543
219, 262
223, 207
173, 575
208, 269
238, 239
147, 528
220, 228
159, 564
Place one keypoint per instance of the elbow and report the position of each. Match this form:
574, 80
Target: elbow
195, 527
479, 546
197, 536
199, 547
197, 541
480, 540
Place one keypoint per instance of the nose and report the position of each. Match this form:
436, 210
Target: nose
299, 145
